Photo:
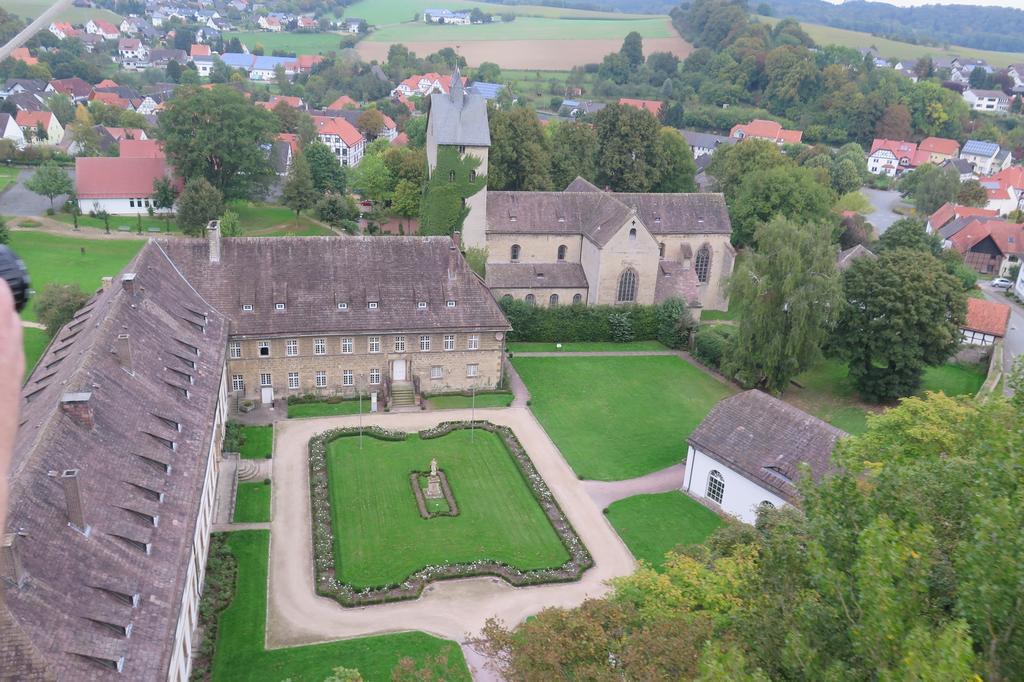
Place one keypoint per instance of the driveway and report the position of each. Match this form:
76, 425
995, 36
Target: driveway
1013, 344
16, 200
883, 202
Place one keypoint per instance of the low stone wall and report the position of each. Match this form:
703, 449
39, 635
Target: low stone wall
995, 371
421, 501
325, 571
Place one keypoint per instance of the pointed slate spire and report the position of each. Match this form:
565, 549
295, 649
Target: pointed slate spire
456, 92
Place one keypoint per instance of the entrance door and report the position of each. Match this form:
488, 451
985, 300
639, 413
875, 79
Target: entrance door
398, 369
267, 394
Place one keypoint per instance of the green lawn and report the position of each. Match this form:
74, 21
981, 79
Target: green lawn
398, 11
526, 28
955, 378
259, 442
324, 409
381, 539
52, 258
583, 347
241, 653
652, 525
7, 176
268, 220
619, 417
252, 502
450, 402
825, 35
117, 221
34, 342
294, 43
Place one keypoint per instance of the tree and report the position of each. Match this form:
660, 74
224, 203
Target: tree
894, 123
83, 132
61, 107
338, 210
328, 175
199, 203
573, 152
790, 192
633, 50
731, 165
219, 135
164, 196
370, 123
903, 312
929, 187
519, 158
488, 72
416, 129
855, 230
971, 193
56, 304
909, 233
674, 165
230, 224
1015, 380
786, 292
406, 199
372, 179
50, 181
627, 148
299, 191
174, 71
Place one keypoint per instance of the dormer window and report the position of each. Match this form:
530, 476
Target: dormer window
343, 306
421, 305
247, 307
372, 305
451, 304
279, 306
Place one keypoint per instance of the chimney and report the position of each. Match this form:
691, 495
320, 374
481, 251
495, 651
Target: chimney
213, 239
76, 406
106, 283
73, 497
11, 569
128, 283
124, 352
456, 239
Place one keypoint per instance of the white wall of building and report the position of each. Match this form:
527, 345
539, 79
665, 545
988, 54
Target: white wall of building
117, 206
741, 497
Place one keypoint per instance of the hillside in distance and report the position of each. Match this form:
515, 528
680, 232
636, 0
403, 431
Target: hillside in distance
985, 28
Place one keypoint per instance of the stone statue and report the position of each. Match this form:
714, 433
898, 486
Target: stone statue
433, 467
434, 482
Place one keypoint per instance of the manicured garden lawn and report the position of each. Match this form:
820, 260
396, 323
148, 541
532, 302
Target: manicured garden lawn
450, 402
259, 442
240, 650
34, 342
582, 346
652, 525
325, 409
955, 378
252, 502
52, 258
381, 539
117, 221
619, 417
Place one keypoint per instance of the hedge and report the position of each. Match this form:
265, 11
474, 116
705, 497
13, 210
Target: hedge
669, 322
710, 342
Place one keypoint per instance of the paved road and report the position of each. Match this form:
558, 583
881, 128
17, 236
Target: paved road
883, 201
1013, 344
43, 21
18, 201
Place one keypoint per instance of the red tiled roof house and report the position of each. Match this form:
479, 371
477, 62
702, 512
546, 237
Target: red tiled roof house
345, 141
991, 247
890, 157
986, 322
32, 122
761, 129
120, 185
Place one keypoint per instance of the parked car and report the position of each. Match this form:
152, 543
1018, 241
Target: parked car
1002, 283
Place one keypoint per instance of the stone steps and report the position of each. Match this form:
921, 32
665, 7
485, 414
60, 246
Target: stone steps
403, 395
252, 470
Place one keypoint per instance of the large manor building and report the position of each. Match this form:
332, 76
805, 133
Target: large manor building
585, 244
118, 450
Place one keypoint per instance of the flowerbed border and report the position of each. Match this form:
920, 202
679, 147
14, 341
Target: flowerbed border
421, 502
325, 570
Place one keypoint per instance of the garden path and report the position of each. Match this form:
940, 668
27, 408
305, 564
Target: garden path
603, 493
455, 609
515, 382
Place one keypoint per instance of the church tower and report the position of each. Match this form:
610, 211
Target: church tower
458, 123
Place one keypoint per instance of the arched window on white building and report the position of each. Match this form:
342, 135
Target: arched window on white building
716, 487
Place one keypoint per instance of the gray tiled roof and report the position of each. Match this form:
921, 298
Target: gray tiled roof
312, 275
58, 605
459, 118
676, 280
536, 275
598, 215
846, 257
766, 440
954, 226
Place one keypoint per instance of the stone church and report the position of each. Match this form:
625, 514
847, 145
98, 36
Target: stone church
585, 244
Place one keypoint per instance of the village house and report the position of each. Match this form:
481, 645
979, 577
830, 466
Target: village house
352, 25
986, 322
260, 68
947, 213
748, 452
761, 129
22, 54
651, 105
938, 149
987, 157
1005, 189
132, 53
198, 50
964, 168
103, 29
991, 247
10, 130
992, 101
389, 131
423, 85
40, 127
846, 257
121, 185
63, 30
705, 144
891, 157
160, 57
272, 24
75, 88
343, 102
345, 141
584, 245
446, 16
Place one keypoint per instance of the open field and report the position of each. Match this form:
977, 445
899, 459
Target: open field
240, 637
528, 54
52, 258
380, 538
252, 502
295, 43
30, 9
527, 28
397, 11
34, 343
825, 35
619, 417
652, 525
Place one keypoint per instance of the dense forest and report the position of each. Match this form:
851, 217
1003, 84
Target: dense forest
983, 28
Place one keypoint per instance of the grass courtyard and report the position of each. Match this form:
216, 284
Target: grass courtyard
52, 258
619, 417
652, 525
451, 402
381, 539
257, 442
325, 409
252, 502
240, 650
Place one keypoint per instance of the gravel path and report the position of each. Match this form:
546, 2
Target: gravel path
603, 493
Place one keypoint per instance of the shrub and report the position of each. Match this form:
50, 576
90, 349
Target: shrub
710, 343
57, 304
234, 437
